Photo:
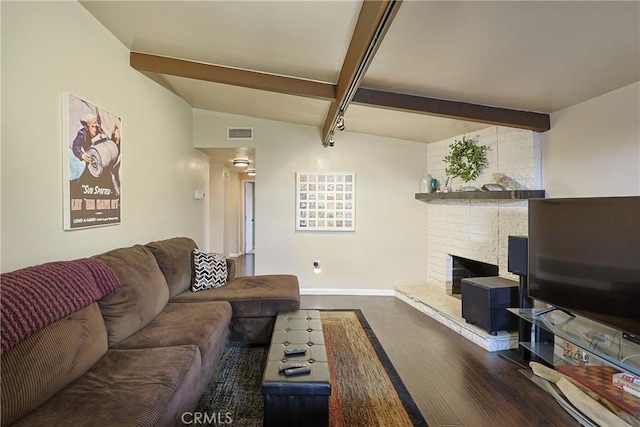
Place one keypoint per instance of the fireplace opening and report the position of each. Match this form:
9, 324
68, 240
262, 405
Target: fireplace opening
465, 267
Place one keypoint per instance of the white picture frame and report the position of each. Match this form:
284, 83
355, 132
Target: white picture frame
325, 201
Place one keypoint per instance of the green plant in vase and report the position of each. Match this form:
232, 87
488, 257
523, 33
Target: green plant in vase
466, 159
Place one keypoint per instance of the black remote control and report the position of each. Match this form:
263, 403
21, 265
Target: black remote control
291, 365
295, 351
297, 371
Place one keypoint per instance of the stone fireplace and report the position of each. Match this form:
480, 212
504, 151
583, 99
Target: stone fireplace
475, 229
479, 229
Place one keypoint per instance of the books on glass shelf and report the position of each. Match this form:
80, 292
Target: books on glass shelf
630, 378
627, 382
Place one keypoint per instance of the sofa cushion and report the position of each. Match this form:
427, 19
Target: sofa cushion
145, 387
175, 261
203, 324
210, 270
252, 296
143, 293
50, 359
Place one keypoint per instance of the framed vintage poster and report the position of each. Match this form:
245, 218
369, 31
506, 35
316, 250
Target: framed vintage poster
91, 164
325, 201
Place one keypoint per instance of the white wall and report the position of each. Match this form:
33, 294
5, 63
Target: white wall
512, 152
593, 148
233, 214
53, 47
389, 246
218, 187
224, 210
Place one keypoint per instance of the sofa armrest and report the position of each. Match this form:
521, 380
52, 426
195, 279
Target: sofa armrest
231, 269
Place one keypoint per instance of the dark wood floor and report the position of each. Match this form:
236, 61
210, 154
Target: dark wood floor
453, 381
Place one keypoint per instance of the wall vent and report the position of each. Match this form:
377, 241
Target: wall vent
239, 133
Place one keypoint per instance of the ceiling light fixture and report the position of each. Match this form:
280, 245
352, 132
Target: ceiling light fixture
331, 140
241, 163
330, 143
251, 172
340, 122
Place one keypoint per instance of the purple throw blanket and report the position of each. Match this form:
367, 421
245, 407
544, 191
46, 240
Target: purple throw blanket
37, 296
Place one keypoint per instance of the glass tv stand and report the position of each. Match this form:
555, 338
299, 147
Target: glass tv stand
602, 341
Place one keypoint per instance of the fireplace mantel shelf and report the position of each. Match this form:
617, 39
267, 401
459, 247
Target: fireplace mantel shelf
482, 195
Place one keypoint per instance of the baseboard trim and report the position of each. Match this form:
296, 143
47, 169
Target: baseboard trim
357, 292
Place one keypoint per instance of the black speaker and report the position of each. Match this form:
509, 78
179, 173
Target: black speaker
485, 301
517, 261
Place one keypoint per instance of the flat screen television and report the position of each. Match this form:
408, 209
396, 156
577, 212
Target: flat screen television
584, 257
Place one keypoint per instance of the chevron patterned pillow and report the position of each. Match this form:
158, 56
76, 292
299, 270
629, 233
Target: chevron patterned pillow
210, 270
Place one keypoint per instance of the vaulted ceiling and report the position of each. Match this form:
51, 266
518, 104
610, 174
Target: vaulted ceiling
416, 70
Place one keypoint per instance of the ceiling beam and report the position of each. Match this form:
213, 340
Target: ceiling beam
232, 76
539, 122
373, 22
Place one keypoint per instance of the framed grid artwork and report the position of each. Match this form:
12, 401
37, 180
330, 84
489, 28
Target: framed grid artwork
325, 201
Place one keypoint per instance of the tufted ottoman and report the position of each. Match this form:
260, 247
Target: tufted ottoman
300, 400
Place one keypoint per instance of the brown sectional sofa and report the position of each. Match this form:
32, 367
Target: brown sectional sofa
143, 354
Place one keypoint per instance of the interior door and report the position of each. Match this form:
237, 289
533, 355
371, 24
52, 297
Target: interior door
249, 212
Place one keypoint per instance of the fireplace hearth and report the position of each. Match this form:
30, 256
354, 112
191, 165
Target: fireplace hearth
463, 268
